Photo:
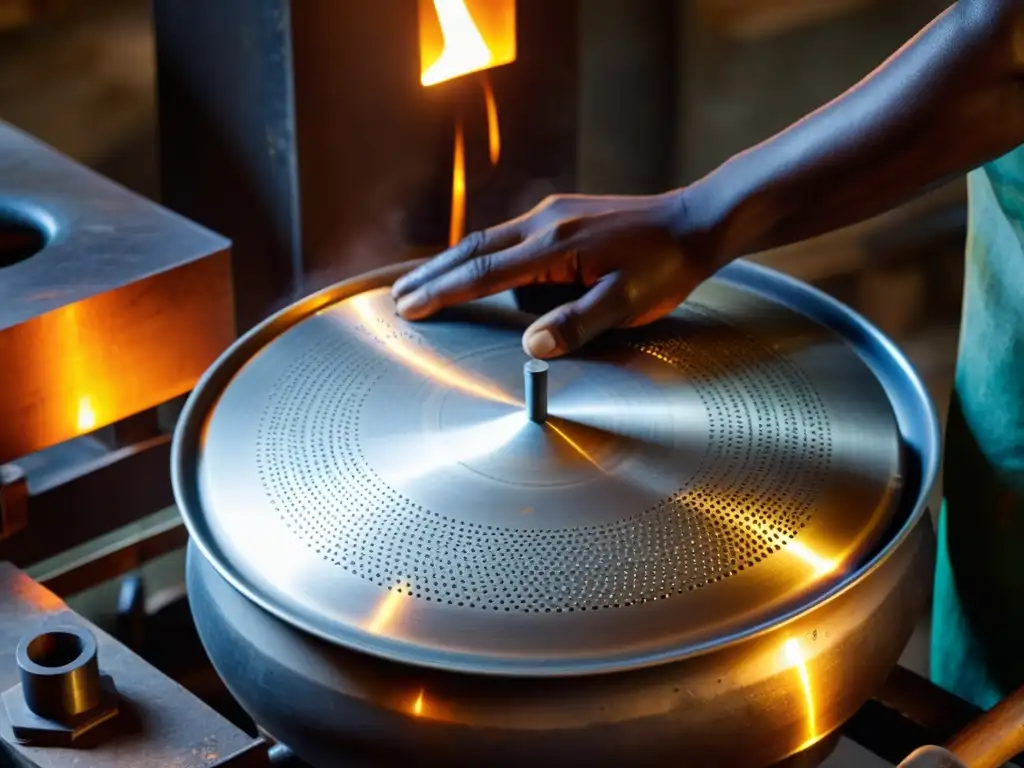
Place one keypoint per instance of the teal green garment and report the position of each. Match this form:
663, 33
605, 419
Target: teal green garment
978, 613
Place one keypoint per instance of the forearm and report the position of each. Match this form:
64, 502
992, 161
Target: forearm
948, 101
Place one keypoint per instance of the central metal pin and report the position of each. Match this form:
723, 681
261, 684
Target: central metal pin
535, 379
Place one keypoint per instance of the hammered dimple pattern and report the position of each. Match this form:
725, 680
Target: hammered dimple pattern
755, 489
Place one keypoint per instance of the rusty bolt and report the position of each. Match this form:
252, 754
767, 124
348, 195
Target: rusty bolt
62, 694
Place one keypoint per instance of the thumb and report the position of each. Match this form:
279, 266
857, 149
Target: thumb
570, 326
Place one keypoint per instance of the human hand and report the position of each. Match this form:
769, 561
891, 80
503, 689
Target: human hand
931, 757
628, 251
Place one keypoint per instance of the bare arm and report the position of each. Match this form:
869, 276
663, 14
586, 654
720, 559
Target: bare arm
951, 99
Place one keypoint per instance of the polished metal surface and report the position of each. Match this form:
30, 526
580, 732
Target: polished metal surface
119, 306
749, 705
379, 484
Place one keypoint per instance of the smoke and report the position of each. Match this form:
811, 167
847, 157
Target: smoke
383, 224
377, 244
354, 227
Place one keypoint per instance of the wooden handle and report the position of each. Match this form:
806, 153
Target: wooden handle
995, 737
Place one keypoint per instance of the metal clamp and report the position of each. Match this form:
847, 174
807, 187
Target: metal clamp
62, 694
13, 500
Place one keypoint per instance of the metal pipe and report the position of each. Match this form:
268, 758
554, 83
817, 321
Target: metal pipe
535, 379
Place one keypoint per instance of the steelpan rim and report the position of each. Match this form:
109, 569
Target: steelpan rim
914, 412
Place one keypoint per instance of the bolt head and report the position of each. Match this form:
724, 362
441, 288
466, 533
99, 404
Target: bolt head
29, 729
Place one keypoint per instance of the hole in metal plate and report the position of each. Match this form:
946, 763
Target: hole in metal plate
21, 238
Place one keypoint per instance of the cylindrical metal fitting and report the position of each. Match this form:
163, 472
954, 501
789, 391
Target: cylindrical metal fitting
60, 676
535, 377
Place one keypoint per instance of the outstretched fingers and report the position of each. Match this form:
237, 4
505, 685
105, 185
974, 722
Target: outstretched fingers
471, 246
484, 275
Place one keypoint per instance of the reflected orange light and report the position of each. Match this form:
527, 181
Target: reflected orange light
385, 612
795, 658
84, 385
37, 596
493, 128
819, 564
462, 36
574, 445
432, 366
457, 225
417, 705
86, 419
822, 566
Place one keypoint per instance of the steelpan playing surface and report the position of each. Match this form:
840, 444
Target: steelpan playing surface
377, 482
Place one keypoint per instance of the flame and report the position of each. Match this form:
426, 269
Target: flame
420, 359
455, 41
464, 47
795, 658
493, 128
458, 37
457, 226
